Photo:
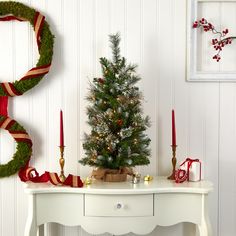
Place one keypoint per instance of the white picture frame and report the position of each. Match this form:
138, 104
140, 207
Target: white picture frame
193, 72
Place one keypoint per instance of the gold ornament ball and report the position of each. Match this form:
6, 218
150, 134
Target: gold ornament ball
88, 181
148, 178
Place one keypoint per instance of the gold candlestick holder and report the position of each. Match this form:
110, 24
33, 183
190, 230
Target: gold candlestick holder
174, 160
62, 163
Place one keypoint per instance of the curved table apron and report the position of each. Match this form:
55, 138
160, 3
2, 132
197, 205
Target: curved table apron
119, 208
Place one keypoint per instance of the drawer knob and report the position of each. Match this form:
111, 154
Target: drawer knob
119, 206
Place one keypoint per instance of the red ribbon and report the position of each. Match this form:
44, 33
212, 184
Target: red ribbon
10, 17
37, 71
28, 173
3, 105
183, 175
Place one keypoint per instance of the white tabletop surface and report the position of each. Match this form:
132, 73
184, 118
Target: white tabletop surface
159, 184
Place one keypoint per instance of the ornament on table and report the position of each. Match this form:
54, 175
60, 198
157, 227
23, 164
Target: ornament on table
189, 170
148, 178
88, 181
136, 178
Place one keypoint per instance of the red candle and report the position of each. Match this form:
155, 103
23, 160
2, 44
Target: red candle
61, 130
173, 129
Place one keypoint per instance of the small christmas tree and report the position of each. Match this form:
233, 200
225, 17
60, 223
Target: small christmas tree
117, 138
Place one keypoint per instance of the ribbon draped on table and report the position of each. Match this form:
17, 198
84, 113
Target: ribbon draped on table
30, 174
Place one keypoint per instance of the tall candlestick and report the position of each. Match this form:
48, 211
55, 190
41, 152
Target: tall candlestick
62, 163
62, 160
174, 146
173, 129
61, 130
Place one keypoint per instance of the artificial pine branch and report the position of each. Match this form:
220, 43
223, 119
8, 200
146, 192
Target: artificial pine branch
115, 41
117, 138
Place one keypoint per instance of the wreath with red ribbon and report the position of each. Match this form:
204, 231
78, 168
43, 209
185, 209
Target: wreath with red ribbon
17, 11
24, 146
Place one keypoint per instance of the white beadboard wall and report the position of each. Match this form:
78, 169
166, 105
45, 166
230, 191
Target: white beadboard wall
153, 36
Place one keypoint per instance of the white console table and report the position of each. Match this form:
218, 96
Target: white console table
119, 208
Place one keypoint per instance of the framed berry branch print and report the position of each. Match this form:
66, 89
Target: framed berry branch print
211, 40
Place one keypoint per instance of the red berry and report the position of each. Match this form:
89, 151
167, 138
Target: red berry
100, 80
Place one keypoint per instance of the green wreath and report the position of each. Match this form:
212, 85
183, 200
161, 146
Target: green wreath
23, 148
45, 39
46, 44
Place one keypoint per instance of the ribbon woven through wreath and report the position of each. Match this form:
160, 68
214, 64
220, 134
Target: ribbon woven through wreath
28, 173
39, 19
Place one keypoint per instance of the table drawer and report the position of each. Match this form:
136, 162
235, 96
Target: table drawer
118, 205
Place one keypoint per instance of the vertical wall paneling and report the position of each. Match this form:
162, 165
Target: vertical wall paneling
8, 187
86, 74
165, 50
211, 152
20, 110
70, 88
228, 18
148, 73
179, 86
227, 204
118, 15
153, 35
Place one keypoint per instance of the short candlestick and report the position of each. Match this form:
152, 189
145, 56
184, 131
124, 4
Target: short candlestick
62, 163
174, 160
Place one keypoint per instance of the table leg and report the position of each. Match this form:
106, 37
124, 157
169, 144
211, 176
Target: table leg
204, 228
41, 230
31, 226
